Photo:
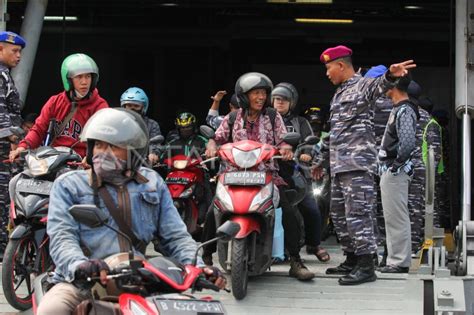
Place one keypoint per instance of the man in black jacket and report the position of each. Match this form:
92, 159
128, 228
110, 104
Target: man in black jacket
396, 168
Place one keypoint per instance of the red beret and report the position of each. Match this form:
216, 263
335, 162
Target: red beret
334, 53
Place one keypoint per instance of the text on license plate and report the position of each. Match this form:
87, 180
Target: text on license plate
244, 178
35, 186
177, 307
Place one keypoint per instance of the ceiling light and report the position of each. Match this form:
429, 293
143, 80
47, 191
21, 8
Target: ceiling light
169, 4
327, 21
60, 18
301, 1
413, 7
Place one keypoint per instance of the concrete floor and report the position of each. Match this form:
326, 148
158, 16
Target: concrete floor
277, 294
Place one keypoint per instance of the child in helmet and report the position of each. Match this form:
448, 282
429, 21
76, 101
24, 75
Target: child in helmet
136, 99
71, 108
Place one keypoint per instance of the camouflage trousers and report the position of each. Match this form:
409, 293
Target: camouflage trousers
416, 208
4, 195
352, 210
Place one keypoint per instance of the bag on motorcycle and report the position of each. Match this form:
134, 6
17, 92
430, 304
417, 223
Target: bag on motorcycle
97, 307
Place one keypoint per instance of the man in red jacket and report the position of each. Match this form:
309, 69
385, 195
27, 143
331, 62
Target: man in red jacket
70, 109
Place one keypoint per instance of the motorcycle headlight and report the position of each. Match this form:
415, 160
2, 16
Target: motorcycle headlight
137, 309
263, 196
245, 159
180, 164
187, 192
224, 197
317, 191
39, 167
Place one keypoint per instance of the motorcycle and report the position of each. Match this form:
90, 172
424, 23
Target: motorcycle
248, 197
27, 252
139, 286
185, 183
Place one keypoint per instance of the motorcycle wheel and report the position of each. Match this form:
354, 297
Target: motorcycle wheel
18, 271
239, 268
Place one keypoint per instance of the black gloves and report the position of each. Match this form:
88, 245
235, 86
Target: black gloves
90, 268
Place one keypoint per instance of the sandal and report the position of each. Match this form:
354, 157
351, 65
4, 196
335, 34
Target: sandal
322, 254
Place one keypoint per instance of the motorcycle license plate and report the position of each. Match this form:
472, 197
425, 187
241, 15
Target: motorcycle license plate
244, 178
187, 307
34, 186
177, 180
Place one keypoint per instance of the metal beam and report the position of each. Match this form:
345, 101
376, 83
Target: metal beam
3, 15
31, 31
464, 101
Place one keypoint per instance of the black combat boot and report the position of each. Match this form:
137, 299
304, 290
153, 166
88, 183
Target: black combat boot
345, 267
363, 272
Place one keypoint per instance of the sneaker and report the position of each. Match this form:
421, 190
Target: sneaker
393, 269
299, 271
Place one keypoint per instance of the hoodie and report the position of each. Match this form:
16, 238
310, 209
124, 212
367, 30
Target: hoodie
58, 107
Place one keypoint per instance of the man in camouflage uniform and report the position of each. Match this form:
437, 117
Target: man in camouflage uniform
11, 45
353, 160
382, 109
416, 191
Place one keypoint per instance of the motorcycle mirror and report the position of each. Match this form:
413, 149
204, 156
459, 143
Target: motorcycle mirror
89, 215
311, 140
228, 231
207, 131
292, 138
225, 233
157, 139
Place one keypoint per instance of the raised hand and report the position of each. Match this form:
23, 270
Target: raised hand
218, 96
399, 70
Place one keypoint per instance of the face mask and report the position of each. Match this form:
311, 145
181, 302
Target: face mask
79, 95
186, 132
109, 168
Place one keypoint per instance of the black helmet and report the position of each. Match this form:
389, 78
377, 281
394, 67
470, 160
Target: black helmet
251, 81
413, 90
314, 115
120, 127
234, 101
288, 92
184, 120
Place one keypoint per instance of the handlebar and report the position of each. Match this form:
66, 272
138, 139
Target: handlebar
203, 283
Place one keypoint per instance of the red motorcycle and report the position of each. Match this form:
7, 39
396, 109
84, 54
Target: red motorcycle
185, 182
248, 197
147, 287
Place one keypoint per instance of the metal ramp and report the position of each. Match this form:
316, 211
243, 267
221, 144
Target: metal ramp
277, 294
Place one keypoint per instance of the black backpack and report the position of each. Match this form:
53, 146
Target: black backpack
271, 112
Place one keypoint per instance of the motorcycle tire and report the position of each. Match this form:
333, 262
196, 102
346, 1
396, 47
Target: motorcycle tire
18, 271
240, 268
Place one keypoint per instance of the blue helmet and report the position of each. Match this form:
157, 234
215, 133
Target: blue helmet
135, 95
